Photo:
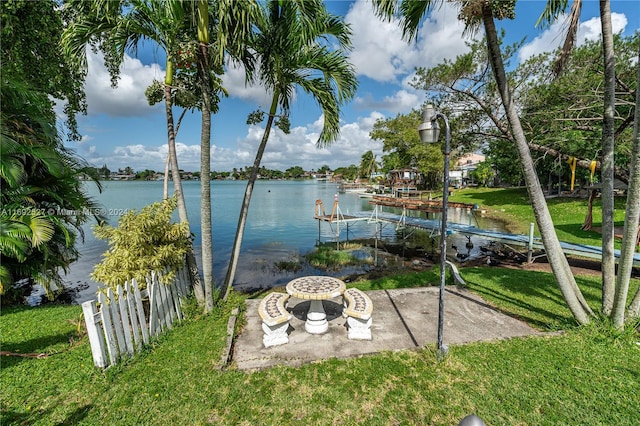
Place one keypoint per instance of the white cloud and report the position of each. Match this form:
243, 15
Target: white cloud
128, 98
381, 54
400, 102
298, 148
552, 38
234, 81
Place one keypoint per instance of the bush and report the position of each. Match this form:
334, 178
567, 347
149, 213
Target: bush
143, 242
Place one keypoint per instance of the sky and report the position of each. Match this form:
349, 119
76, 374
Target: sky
122, 130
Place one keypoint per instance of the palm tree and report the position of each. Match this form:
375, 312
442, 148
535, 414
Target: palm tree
608, 130
230, 23
290, 46
474, 13
120, 26
614, 290
631, 228
205, 153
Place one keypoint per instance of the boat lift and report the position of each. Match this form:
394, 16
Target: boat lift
401, 221
336, 217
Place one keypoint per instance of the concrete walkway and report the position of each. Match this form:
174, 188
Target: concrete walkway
402, 319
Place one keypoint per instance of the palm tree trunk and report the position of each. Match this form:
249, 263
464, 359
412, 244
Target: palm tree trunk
205, 154
570, 291
177, 185
629, 238
244, 210
608, 260
175, 171
165, 187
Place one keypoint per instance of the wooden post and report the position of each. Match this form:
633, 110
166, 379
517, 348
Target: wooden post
95, 333
124, 320
135, 330
116, 321
530, 250
140, 310
107, 326
176, 298
154, 324
166, 304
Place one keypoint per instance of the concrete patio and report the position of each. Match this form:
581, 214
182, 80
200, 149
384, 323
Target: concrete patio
402, 319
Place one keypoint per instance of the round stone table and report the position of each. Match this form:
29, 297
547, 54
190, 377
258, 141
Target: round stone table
316, 289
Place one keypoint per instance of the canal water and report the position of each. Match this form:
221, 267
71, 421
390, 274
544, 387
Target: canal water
280, 226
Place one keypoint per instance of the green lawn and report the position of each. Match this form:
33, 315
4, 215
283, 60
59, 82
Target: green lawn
513, 206
582, 375
585, 374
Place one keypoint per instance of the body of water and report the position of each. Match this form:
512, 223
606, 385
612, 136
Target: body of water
280, 225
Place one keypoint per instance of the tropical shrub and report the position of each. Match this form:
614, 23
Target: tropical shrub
44, 202
142, 242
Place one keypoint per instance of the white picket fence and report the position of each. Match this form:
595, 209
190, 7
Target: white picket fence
117, 324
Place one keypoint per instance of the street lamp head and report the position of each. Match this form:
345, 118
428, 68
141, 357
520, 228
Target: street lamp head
429, 129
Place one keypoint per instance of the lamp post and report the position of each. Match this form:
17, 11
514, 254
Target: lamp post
429, 132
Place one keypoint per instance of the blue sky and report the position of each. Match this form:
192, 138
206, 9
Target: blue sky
122, 130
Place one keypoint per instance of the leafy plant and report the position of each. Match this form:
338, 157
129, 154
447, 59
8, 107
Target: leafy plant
328, 258
143, 242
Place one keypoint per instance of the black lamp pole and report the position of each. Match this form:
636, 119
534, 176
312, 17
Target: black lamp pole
429, 132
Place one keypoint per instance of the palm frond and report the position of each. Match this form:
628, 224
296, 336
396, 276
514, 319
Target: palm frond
409, 13
573, 22
552, 10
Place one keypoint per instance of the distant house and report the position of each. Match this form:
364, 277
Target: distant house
122, 176
404, 182
328, 176
464, 166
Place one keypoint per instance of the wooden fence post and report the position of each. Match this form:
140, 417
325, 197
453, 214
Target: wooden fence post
96, 336
107, 325
140, 309
124, 320
155, 325
116, 321
135, 330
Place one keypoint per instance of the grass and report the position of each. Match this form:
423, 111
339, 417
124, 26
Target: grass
513, 206
584, 375
325, 257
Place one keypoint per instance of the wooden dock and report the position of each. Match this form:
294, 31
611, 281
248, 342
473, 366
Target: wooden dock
420, 204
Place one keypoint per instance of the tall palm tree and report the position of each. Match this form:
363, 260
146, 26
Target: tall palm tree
223, 27
291, 46
630, 233
613, 303
474, 13
119, 27
205, 153
608, 131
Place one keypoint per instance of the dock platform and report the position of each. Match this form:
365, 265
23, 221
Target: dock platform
377, 216
582, 250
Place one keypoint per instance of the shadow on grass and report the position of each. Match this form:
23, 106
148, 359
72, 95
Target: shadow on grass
30, 417
403, 279
39, 345
530, 296
575, 230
